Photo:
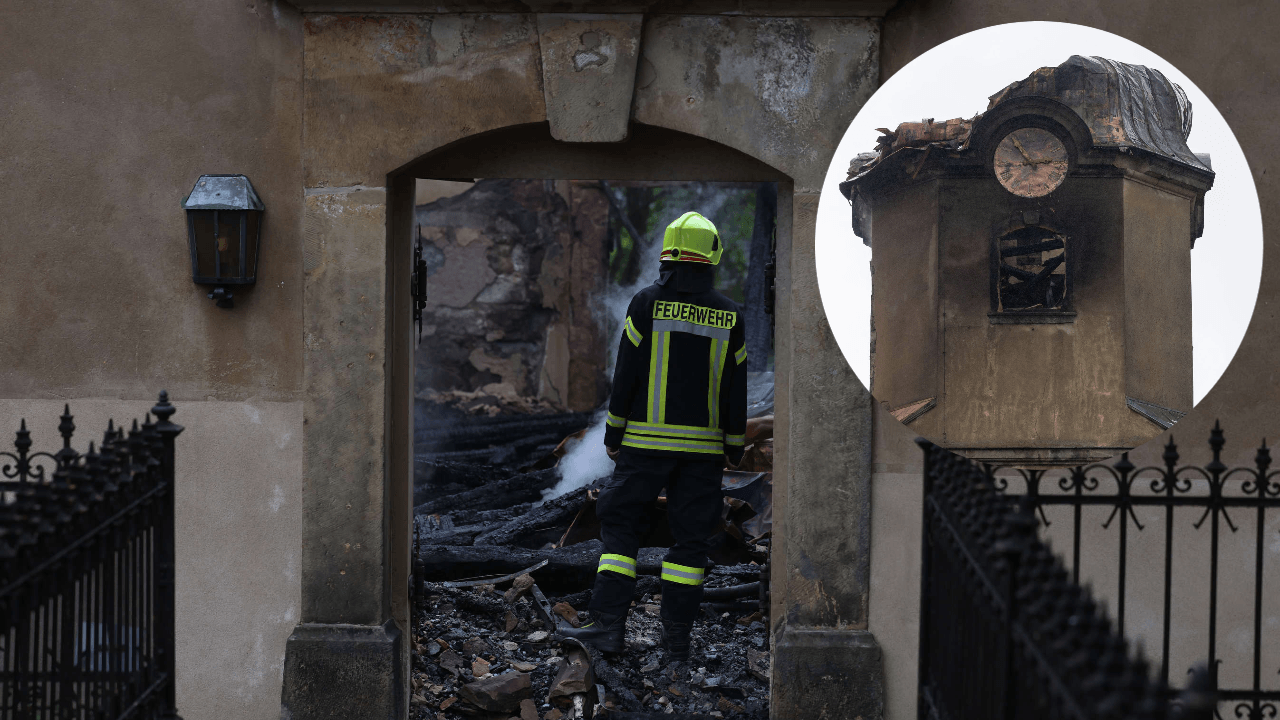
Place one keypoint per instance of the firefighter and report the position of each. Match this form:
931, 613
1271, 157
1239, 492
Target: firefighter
677, 414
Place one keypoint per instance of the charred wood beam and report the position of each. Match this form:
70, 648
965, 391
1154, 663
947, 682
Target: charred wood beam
733, 591
435, 471
1029, 249
1023, 275
459, 535
614, 681
557, 511
1030, 277
573, 567
499, 516
476, 433
514, 452
493, 580
746, 605
526, 487
570, 568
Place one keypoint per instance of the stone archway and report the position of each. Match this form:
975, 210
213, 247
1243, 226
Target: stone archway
365, 114
531, 152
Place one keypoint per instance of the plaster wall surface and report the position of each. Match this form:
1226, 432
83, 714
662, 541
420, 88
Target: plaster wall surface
1157, 288
1058, 385
908, 348
1211, 48
238, 530
894, 600
112, 112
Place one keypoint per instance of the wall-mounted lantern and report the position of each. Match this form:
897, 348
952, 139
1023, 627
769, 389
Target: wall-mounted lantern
224, 219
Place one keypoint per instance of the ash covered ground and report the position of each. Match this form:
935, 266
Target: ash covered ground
480, 655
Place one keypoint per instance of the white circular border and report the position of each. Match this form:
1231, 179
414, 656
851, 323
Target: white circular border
955, 79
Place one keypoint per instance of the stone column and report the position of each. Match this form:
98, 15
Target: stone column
346, 652
825, 662
367, 80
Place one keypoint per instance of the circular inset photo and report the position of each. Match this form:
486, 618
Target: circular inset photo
1030, 252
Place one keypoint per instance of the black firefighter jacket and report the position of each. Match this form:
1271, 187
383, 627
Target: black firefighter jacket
680, 385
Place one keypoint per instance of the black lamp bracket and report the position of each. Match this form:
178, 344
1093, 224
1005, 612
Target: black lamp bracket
223, 297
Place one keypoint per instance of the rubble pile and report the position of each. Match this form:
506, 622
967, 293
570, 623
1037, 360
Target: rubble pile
500, 564
488, 652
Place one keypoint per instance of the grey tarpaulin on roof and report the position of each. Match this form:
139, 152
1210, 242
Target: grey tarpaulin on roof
1122, 104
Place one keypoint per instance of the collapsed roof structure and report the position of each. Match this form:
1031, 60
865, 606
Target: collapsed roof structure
1107, 106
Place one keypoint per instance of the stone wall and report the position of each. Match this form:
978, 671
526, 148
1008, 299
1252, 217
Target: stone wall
512, 269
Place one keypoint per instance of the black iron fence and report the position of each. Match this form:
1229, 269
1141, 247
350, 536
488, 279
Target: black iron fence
1176, 541
1005, 631
86, 574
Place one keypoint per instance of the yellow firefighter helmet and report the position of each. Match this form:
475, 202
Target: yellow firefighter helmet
692, 238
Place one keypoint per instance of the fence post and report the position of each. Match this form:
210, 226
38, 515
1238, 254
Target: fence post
926, 571
166, 649
1019, 526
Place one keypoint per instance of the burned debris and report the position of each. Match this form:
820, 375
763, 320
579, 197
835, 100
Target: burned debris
479, 655
506, 552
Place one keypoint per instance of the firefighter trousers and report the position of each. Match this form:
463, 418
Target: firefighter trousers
694, 503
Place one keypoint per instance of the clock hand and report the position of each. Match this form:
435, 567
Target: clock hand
1022, 150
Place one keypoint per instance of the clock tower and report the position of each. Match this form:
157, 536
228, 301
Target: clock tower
1031, 266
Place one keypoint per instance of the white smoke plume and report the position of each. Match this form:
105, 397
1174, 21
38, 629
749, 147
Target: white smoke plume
584, 461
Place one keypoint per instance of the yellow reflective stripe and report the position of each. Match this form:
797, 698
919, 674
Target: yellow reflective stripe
718, 348
617, 563
682, 326
644, 443
740, 356
658, 357
735, 439
632, 333
662, 389
683, 429
682, 442
679, 431
681, 574
615, 421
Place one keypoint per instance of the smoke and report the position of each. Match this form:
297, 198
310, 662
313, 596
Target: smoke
709, 199
584, 460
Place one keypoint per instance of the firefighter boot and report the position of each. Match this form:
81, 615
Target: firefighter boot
675, 640
605, 632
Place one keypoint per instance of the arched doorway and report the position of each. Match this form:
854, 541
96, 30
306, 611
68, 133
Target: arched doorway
524, 152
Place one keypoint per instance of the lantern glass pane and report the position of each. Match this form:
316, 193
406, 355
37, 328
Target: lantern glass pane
203, 223
228, 244
251, 243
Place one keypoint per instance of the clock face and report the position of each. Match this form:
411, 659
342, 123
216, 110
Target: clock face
1030, 162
